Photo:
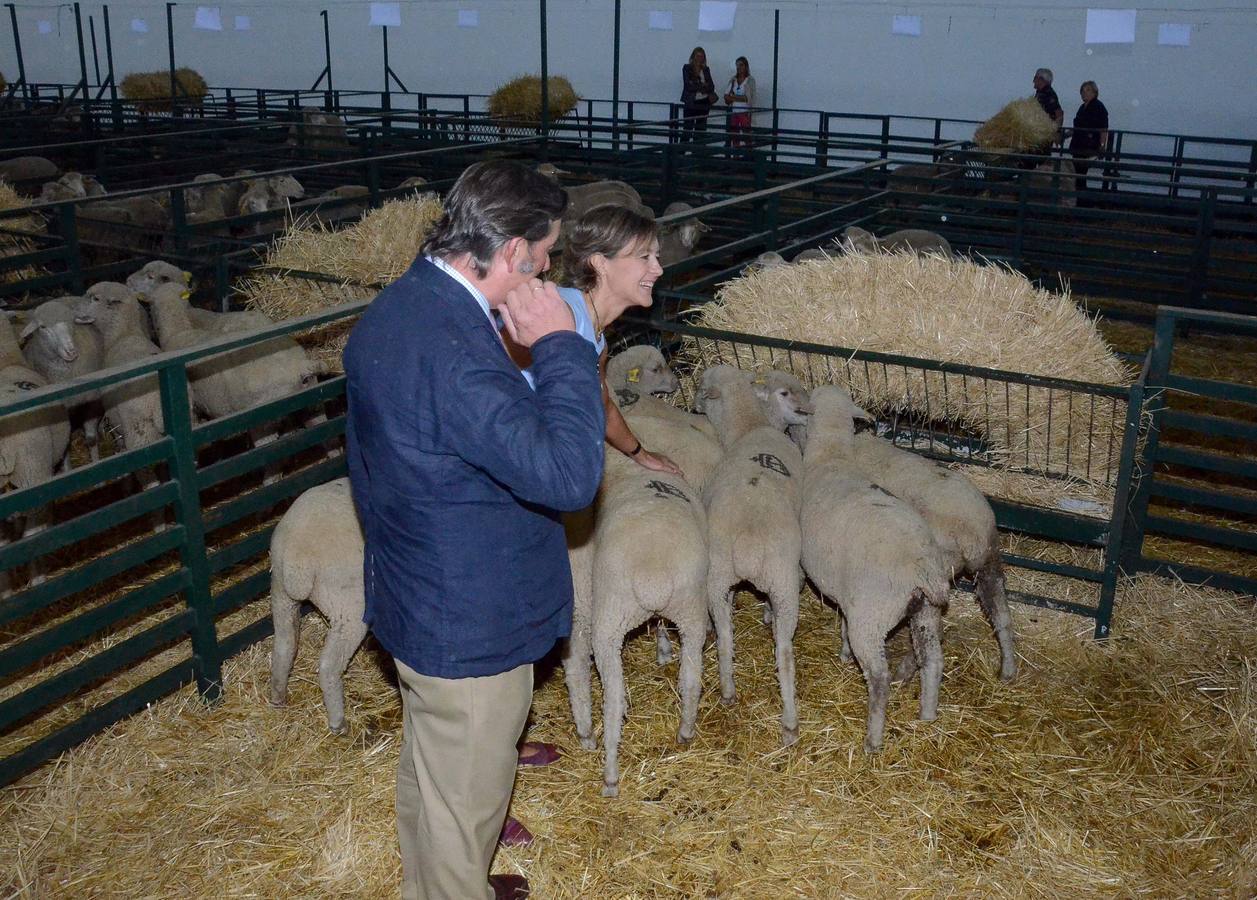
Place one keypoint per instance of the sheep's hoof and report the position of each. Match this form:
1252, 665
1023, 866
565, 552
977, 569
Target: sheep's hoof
611, 789
1008, 673
929, 716
279, 702
789, 736
588, 743
683, 738
729, 701
871, 747
342, 728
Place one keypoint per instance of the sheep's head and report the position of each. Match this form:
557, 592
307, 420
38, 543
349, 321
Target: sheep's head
784, 398
155, 274
715, 384
688, 230
287, 187
104, 302
834, 408
50, 326
642, 370
856, 239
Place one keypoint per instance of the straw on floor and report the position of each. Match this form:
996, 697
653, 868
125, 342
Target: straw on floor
372, 252
12, 244
1106, 770
948, 310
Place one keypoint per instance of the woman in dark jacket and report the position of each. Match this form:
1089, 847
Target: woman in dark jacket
698, 92
1091, 131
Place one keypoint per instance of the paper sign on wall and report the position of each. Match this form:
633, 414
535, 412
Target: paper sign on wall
208, 18
1110, 26
660, 20
43, 26
716, 15
386, 14
1170, 34
243, 23
909, 25
139, 26
469, 18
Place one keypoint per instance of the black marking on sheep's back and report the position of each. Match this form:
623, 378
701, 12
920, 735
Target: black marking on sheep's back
627, 397
663, 489
878, 487
754, 481
771, 463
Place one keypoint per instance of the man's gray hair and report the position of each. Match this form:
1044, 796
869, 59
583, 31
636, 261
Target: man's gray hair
1045, 74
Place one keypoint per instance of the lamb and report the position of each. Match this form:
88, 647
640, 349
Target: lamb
236, 380
769, 259
875, 556
158, 272
677, 240
33, 443
70, 186
266, 194
814, 253
909, 240
60, 345
647, 557
635, 377
958, 514
414, 182
316, 555
320, 130
27, 170
752, 501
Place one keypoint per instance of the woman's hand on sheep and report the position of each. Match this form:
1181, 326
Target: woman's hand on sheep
656, 462
534, 310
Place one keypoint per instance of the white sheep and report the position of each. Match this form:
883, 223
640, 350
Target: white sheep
677, 240
647, 557
316, 555
24, 170
959, 516
813, 254
909, 240
265, 194
234, 380
873, 555
752, 501
60, 344
637, 377
769, 259
158, 272
33, 443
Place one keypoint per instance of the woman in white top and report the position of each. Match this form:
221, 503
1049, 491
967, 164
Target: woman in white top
611, 258
740, 97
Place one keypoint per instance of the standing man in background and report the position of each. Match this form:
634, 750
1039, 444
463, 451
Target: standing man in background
1046, 95
459, 472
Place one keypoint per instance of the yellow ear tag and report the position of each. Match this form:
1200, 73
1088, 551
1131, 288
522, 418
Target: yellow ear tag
759, 379
634, 376
184, 296
187, 277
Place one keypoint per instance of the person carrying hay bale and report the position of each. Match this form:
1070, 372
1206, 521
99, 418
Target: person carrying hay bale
518, 102
459, 471
151, 90
1045, 94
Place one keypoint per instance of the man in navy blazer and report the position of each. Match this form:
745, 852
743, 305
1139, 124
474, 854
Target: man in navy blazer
459, 472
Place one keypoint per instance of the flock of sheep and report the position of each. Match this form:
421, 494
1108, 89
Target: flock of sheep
778, 484
71, 337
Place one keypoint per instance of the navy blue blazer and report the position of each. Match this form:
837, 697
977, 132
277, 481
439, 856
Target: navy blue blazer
459, 471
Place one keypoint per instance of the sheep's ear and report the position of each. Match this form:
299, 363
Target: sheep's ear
31, 327
701, 226
634, 375
711, 393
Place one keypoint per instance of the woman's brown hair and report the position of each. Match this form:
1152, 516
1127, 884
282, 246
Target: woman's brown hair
609, 230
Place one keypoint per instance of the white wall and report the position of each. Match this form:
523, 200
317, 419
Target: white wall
970, 59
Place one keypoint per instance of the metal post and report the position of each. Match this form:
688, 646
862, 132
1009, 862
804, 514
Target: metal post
1115, 549
1198, 277
68, 225
386, 99
170, 47
78, 30
91, 27
776, 57
327, 53
113, 86
615, 83
17, 47
545, 84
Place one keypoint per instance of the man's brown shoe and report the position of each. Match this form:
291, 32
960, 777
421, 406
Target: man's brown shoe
509, 887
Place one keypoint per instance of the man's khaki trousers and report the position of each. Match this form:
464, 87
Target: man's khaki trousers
454, 778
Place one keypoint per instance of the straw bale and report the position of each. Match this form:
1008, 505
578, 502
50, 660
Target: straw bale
518, 102
946, 310
365, 256
1021, 126
151, 90
1119, 769
11, 244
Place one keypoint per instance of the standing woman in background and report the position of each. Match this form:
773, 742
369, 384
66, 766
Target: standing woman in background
1090, 136
740, 97
698, 92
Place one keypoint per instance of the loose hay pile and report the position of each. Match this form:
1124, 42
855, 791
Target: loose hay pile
1021, 126
373, 252
151, 90
518, 102
946, 310
1123, 769
14, 245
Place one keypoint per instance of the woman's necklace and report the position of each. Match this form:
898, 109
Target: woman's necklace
597, 320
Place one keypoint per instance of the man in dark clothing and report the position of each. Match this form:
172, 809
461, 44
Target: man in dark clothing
1047, 98
459, 472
